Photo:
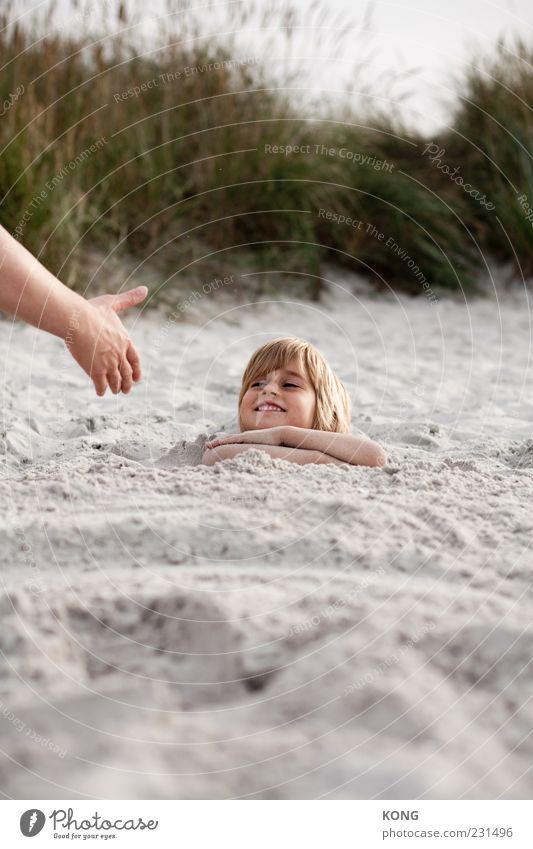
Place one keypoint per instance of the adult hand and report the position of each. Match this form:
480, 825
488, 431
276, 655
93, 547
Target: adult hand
91, 329
101, 345
263, 436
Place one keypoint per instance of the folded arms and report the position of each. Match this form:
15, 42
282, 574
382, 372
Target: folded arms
298, 445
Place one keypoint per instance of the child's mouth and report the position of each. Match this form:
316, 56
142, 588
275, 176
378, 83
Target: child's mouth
269, 408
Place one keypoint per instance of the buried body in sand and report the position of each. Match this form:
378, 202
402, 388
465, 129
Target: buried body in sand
293, 407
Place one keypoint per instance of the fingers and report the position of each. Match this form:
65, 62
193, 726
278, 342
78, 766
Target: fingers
224, 440
118, 380
129, 299
127, 376
114, 378
114, 361
134, 361
119, 377
100, 383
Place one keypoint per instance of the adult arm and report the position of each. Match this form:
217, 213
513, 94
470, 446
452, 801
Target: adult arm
91, 329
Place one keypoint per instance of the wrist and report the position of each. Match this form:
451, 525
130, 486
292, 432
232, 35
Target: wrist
76, 324
288, 436
66, 315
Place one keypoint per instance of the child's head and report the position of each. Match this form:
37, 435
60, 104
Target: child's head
300, 386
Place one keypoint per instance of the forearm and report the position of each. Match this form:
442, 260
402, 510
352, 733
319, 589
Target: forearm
300, 456
342, 446
30, 292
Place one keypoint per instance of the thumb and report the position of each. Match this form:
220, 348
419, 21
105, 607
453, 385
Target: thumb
129, 299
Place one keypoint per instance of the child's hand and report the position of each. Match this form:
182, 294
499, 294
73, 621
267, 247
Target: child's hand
265, 436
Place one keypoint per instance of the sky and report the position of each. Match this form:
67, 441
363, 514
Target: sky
432, 39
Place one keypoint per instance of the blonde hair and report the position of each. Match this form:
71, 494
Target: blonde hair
333, 412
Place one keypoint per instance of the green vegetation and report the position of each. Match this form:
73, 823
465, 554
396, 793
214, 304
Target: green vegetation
173, 161
492, 137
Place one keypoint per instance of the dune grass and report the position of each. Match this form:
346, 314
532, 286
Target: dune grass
175, 156
492, 134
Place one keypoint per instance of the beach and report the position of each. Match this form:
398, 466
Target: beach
260, 630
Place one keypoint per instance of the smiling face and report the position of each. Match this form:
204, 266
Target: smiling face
281, 397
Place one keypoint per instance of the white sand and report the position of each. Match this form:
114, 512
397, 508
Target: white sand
260, 629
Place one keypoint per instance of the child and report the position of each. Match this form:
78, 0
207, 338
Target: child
294, 407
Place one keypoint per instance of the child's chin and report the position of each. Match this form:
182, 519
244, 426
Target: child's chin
266, 423
262, 421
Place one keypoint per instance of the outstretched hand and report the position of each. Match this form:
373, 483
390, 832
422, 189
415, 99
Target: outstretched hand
101, 345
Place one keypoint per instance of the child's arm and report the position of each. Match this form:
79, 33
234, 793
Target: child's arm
334, 447
359, 451
293, 455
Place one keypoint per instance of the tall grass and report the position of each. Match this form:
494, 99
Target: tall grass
182, 182
492, 134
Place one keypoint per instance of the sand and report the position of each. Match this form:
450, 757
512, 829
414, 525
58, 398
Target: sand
259, 629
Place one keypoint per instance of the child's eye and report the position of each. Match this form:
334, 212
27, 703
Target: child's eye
286, 383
